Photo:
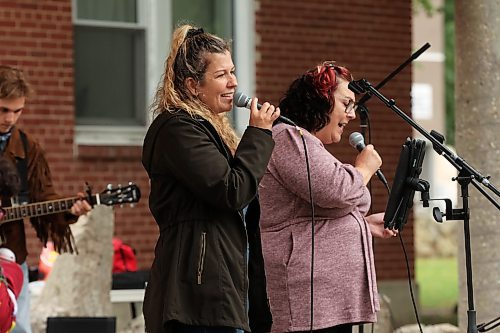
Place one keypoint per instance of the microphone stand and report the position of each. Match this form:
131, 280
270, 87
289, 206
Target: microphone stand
364, 117
467, 175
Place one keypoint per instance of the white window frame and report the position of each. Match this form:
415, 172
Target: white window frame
244, 54
155, 17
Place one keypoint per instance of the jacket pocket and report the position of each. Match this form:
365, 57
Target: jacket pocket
201, 259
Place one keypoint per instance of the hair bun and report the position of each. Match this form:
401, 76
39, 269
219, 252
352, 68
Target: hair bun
194, 32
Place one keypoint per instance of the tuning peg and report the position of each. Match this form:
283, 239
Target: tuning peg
130, 183
109, 187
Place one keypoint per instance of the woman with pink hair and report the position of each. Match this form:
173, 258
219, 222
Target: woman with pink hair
344, 283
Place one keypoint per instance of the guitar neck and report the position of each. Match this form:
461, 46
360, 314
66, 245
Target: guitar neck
39, 209
109, 197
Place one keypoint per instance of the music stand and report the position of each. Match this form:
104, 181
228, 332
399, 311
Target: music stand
406, 182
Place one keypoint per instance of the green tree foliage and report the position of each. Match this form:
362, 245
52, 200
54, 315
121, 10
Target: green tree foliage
425, 5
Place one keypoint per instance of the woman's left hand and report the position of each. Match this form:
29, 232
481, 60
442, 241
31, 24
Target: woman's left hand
80, 207
376, 224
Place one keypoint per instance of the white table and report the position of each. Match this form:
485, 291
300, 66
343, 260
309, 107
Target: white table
126, 295
131, 296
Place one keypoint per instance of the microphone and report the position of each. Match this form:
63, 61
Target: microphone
357, 87
357, 141
243, 101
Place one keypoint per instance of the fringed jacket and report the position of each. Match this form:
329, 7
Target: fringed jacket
54, 227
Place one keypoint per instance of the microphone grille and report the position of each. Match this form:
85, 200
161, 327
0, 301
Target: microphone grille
240, 99
355, 139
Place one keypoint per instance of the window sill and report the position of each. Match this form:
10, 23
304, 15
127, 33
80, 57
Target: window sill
109, 142
109, 135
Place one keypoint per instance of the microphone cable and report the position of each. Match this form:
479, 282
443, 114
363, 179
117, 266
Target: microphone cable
409, 282
244, 101
364, 115
367, 118
313, 220
417, 317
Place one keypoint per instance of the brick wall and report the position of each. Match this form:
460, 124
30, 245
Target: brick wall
37, 36
371, 38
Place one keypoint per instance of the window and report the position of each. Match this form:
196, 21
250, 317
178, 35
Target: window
215, 16
120, 48
109, 63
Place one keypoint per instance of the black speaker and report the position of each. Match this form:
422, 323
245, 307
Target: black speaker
81, 324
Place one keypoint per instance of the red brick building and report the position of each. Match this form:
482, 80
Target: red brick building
58, 44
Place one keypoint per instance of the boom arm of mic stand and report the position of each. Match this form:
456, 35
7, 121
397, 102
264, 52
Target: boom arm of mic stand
363, 110
459, 163
382, 83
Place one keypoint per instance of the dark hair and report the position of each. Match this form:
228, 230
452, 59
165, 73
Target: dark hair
9, 178
309, 100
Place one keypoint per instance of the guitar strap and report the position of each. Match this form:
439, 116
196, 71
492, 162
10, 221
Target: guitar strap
22, 168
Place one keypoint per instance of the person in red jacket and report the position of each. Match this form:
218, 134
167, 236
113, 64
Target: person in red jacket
11, 274
11, 282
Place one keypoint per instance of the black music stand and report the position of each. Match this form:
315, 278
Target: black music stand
406, 182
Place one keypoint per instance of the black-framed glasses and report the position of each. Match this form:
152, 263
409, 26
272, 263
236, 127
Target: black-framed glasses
352, 106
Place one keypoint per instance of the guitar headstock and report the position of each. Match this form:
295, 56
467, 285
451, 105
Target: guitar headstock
120, 195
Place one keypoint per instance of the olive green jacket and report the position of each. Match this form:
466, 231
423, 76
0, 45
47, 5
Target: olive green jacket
208, 266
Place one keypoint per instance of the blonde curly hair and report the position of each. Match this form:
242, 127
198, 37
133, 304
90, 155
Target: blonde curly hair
188, 59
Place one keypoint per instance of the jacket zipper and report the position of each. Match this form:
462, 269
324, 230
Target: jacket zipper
245, 257
201, 261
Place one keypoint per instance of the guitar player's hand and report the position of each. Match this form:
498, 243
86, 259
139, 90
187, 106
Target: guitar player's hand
80, 207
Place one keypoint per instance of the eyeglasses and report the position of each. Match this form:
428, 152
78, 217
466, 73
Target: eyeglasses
352, 106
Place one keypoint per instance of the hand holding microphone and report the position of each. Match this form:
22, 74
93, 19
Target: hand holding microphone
262, 116
368, 160
241, 100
